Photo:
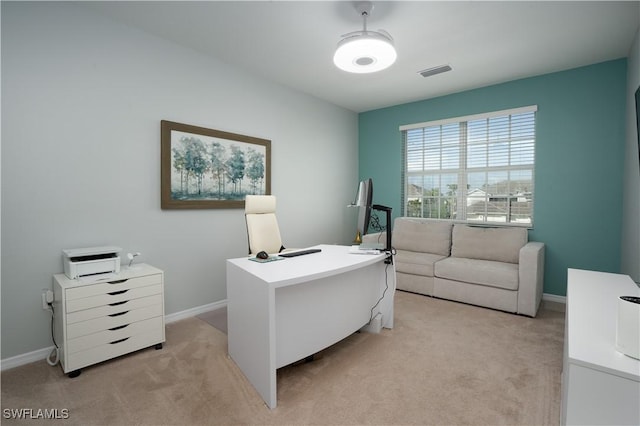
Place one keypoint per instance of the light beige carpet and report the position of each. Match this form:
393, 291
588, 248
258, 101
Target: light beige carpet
217, 318
445, 363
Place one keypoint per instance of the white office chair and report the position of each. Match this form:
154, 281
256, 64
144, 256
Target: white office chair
262, 225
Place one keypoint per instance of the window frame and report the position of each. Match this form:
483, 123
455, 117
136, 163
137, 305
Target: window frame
463, 169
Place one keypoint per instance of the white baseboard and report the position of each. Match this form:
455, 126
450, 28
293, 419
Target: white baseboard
18, 360
41, 354
177, 316
554, 298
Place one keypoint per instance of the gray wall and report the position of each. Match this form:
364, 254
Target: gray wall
630, 251
82, 100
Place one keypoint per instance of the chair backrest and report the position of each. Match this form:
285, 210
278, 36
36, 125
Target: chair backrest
262, 225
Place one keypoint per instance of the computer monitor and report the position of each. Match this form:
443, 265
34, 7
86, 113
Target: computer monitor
364, 202
364, 199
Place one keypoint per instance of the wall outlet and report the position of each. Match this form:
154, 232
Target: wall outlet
47, 297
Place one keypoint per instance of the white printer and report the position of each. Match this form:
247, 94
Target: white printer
81, 262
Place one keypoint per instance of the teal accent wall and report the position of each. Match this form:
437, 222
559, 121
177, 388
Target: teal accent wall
579, 158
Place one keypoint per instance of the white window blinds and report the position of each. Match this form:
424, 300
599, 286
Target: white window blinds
477, 168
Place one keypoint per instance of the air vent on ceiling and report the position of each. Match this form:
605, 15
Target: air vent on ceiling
435, 70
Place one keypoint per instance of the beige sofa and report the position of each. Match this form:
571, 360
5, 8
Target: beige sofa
493, 267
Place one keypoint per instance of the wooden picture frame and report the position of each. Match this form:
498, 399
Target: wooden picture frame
204, 168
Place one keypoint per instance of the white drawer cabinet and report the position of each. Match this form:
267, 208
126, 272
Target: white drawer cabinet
101, 320
600, 386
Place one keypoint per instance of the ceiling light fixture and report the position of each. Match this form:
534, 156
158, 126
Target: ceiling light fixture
365, 51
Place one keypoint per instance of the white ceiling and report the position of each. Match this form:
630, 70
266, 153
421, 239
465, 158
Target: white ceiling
292, 42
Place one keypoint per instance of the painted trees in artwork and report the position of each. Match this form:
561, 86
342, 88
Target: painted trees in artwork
215, 170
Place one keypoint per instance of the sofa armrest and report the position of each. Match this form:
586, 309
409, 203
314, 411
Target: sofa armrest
531, 277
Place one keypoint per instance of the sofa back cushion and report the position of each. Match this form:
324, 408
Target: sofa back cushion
422, 235
497, 244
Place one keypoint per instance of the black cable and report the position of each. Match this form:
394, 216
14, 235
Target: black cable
55, 353
374, 222
386, 287
53, 314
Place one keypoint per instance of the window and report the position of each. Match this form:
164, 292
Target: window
477, 169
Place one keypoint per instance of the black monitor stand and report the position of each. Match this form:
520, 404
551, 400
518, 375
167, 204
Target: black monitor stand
386, 209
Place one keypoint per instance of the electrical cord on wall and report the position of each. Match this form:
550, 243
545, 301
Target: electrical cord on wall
55, 353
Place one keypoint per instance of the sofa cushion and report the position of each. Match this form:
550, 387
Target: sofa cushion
497, 244
420, 235
411, 262
483, 272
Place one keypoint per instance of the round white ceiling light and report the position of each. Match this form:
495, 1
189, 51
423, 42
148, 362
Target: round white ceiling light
365, 51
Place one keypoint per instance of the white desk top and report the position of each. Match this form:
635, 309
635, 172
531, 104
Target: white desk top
592, 315
332, 260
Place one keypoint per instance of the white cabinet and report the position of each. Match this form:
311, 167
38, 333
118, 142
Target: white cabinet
97, 321
599, 384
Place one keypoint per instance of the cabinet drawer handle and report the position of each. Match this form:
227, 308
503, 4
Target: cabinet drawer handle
118, 314
119, 327
114, 293
118, 303
115, 342
119, 281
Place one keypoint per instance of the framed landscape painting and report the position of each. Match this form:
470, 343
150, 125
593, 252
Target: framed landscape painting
207, 169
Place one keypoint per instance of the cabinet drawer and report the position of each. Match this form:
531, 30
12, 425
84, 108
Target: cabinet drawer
112, 286
115, 296
117, 333
114, 320
77, 360
117, 306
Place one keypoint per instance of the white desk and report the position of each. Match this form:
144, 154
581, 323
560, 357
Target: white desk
286, 310
599, 384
